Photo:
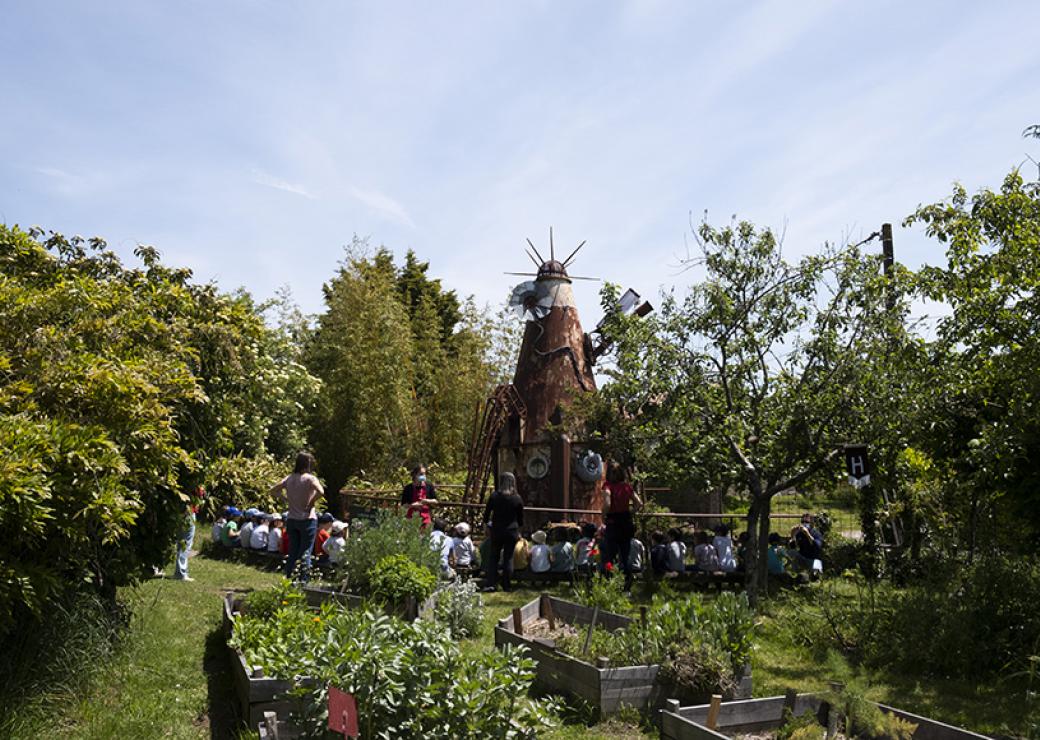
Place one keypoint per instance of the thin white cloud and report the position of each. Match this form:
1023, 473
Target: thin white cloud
382, 204
263, 178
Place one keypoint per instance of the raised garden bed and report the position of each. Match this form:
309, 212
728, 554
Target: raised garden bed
604, 687
761, 716
320, 595
256, 693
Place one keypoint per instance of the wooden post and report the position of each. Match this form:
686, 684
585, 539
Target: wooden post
271, 725
602, 662
671, 705
545, 607
790, 697
592, 626
560, 472
642, 616
518, 621
713, 711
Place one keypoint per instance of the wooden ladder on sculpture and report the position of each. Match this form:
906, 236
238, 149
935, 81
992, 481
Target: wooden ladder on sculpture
503, 403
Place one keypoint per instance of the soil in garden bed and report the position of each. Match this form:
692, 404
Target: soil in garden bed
540, 628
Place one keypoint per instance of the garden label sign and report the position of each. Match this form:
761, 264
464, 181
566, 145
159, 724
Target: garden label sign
342, 713
858, 465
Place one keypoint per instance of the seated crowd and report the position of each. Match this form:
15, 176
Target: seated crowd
260, 531
574, 548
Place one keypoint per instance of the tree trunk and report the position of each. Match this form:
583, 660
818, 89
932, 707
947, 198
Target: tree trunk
756, 563
762, 571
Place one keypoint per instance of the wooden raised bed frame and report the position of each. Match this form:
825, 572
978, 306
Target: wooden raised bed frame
604, 687
756, 715
257, 693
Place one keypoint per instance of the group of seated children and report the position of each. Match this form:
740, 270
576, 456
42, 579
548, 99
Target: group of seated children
717, 553
455, 548
253, 529
711, 554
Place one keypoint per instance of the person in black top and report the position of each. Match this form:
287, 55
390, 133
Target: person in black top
505, 515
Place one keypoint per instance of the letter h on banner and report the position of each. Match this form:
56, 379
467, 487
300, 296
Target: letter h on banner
858, 465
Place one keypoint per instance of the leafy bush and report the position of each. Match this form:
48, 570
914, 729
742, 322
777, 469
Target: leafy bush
458, 607
396, 578
119, 388
987, 610
842, 554
391, 534
702, 645
263, 604
606, 593
395, 669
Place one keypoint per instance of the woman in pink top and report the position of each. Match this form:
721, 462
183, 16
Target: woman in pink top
300, 490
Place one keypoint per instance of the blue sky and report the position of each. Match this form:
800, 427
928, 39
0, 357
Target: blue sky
251, 140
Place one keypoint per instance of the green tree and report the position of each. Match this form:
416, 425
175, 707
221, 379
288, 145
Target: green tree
363, 351
757, 377
985, 392
119, 388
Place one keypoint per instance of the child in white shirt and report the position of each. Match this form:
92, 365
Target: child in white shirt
561, 555
275, 534
539, 558
462, 546
258, 539
705, 554
218, 526
636, 554
676, 552
245, 534
724, 547
334, 545
443, 544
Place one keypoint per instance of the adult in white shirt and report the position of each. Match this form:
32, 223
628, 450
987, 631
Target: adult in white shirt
300, 490
724, 547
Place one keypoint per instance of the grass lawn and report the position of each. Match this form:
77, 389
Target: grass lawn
170, 677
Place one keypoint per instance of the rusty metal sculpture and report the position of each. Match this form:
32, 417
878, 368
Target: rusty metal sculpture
522, 427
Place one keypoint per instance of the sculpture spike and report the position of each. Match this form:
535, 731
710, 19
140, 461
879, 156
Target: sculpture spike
536, 251
552, 249
568, 260
536, 262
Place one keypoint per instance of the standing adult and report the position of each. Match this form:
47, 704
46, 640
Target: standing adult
419, 495
620, 501
300, 490
504, 514
180, 569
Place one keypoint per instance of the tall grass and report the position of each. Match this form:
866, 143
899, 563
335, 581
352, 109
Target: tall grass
48, 661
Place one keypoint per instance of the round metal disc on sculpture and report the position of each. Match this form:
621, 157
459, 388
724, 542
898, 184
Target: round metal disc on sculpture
537, 467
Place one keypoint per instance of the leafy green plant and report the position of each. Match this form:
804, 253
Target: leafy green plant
264, 603
396, 578
458, 607
702, 645
391, 534
606, 593
409, 679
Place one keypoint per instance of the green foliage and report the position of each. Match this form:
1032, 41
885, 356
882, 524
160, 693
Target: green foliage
459, 608
980, 425
396, 578
986, 611
861, 718
606, 593
409, 679
392, 533
119, 390
403, 364
754, 379
263, 604
702, 645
